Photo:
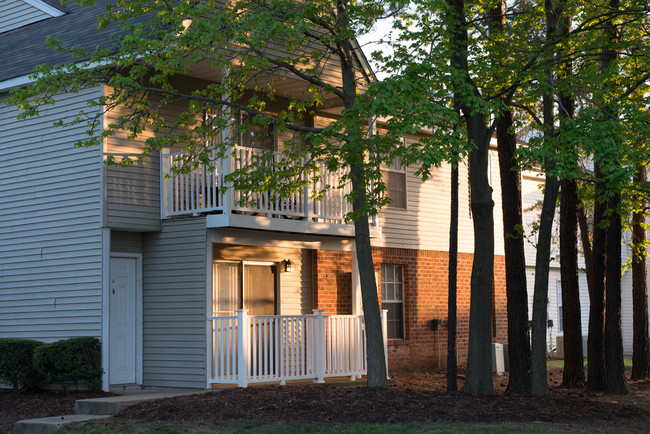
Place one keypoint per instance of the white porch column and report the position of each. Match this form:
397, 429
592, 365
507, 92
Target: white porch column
243, 329
165, 184
228, 163
319, 346
357, 309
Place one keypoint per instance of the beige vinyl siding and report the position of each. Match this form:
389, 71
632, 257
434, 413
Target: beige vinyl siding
424, 224
295, 292
174, 305
17, 13
50, 225
132, 193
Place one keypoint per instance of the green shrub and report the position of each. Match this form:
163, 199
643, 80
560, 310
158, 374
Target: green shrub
68, 361
16, 363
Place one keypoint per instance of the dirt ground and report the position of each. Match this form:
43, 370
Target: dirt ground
413, 398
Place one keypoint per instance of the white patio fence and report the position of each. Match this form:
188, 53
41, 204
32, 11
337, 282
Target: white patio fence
276, 348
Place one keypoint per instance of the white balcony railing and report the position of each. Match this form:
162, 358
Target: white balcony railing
276, 348
202, 190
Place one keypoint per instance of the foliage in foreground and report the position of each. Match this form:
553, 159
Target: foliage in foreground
68, 361
16, 363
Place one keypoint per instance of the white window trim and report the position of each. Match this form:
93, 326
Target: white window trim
402, 169
402, 301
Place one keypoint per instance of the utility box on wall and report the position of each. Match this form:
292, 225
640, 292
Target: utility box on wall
559, 347
498, 363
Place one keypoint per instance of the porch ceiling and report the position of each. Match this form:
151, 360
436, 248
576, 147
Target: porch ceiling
284, 84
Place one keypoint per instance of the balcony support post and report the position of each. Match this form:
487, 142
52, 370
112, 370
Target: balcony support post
319, 346
243, 332
165, 169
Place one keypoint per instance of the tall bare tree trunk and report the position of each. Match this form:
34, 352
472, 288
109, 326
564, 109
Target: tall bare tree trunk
595, 339
614, 366
375, 355
538, 376
640, 340
518, 338
452, 362
574, 375
517, 297
478, 380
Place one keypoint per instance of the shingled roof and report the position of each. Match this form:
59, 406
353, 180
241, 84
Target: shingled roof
24, 48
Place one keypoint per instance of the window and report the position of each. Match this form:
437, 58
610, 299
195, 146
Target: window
394, 176
559, 305
392, 299
254, 135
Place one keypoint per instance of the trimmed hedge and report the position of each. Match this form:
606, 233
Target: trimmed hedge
16, 363
68, 361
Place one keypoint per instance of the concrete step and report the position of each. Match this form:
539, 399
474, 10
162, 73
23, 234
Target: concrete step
49, 425
113, 404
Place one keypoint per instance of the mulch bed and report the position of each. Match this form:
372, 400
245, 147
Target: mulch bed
413, 398
32, 405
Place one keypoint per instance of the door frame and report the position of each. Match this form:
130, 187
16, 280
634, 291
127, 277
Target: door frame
138, 314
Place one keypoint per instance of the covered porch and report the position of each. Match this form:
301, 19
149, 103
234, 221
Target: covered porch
277, 314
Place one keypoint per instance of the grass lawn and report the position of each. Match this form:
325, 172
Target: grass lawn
559, 363
116, 425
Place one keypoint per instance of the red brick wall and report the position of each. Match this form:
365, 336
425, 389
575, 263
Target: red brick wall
333, 281
425, 299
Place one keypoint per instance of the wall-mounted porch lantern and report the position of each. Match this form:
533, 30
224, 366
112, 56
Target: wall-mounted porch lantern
288, 266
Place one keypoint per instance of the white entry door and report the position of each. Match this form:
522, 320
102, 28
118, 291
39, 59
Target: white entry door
123, 310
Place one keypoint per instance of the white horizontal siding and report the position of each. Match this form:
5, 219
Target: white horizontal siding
50, 225
424, 224
174, 305
17, 13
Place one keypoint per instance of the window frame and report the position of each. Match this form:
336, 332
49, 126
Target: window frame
401, 301
560, 322
397, 167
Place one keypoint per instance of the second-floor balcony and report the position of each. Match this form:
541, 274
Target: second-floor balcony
204, 191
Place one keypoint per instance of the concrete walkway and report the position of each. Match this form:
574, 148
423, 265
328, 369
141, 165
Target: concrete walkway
95, 408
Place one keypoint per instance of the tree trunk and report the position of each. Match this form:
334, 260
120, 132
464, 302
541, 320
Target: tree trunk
595, 340
574, 375
641, 340
478, 380
538, 377
614, 366
518, 338
452, 362
375, 355
583, 225
517, 297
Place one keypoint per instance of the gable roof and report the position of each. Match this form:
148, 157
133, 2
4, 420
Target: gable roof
24, 48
